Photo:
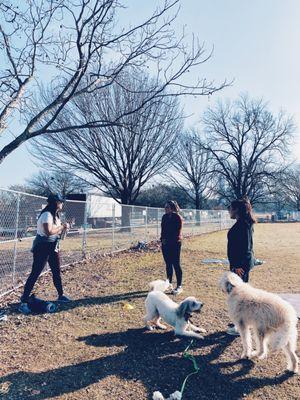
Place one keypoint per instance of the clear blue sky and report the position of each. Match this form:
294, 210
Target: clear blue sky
256, 42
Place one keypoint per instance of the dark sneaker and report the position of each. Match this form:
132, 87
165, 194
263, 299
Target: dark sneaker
24, 308
63, 299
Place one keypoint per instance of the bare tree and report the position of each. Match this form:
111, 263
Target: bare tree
193, 168
248, 144
64, 183
117, 159
289, 186
156, 195
80, 47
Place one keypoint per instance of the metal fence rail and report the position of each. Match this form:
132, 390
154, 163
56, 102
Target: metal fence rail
96, 227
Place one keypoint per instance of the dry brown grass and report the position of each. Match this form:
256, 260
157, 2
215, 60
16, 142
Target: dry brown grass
94, 349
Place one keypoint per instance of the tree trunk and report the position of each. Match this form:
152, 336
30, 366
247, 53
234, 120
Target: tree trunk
126, 213
198, 207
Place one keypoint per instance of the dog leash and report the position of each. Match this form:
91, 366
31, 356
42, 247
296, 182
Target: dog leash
189, 356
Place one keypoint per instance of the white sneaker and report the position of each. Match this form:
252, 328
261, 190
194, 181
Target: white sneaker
178, 290
232, 331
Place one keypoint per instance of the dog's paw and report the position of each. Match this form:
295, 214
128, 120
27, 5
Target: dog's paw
199, 337
163, 327
254, 354
149, 328
201, 330
262, 356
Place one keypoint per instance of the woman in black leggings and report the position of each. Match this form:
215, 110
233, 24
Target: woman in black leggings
171, 236
46, 249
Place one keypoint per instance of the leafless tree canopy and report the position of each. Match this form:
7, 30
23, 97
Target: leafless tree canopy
80, 45
193, 168
117, 158
289, 186
248, 144
60, 182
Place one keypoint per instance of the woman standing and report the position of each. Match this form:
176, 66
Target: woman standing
240, 243
46, 248
171, 236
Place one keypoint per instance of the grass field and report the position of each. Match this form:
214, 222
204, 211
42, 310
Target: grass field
95, 349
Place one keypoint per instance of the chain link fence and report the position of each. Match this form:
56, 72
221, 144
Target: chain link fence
97, 226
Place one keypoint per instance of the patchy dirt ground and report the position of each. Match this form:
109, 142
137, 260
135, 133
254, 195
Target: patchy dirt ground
94, 349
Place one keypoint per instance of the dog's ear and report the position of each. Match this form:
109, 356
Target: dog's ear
182, 309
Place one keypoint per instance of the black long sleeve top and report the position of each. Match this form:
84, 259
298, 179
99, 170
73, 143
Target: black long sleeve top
240, 245
171, 228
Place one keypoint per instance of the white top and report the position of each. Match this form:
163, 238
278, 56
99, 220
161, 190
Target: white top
46, 218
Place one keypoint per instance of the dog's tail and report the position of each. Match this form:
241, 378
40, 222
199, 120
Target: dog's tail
159, 285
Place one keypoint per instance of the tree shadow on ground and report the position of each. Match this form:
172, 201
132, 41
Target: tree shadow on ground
153, 358
13, 308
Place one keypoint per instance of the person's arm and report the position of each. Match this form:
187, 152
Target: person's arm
50, 229
162, 229
178, 227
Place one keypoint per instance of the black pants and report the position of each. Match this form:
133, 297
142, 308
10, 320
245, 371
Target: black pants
171, 254
42, 253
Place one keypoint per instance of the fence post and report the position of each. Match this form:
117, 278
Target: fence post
191, 214
157, 224
146, 224
131, 212
113, 226
16, 240
84, 236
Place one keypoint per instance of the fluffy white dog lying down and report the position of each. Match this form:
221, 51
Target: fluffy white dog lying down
272, 319
160, 306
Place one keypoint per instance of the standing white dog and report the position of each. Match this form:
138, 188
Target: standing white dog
160, 306
273, 320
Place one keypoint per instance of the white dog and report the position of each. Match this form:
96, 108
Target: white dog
160, 306
273, 320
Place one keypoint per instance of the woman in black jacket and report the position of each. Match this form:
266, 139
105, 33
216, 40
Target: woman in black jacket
171, 236
240, 238
240, 242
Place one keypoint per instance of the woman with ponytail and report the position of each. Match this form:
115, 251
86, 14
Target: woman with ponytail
45, 249
240, 242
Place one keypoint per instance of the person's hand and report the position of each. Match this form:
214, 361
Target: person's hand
66, 226
240, 272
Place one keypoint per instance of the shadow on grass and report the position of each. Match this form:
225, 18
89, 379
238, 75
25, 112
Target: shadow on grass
151, 358
87, 301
